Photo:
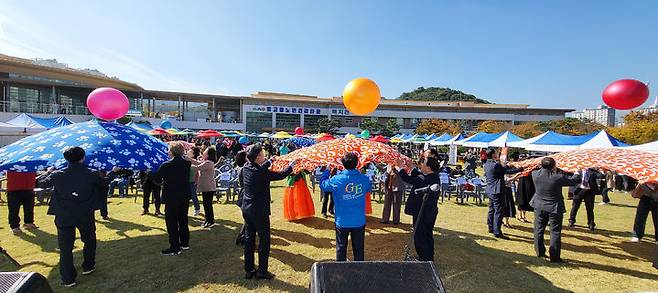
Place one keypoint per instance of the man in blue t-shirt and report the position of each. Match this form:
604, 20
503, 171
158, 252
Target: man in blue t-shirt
349, 188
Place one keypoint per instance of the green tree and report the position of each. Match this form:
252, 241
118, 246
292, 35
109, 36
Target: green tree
438, 126
390, 128
492, 126
327, 125
638, 128
526, 130
570, 126
372, 125
440, 94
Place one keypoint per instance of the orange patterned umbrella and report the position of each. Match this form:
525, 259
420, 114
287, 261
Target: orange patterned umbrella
330, 152
640, 165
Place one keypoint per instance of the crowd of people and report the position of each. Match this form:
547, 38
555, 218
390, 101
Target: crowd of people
78, 192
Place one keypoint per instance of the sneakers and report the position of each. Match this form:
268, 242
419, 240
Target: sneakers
170, 252
635, 239
157, 212
209, 225
197, 212
17, 231
69, 285
89, 271
144, 212
30, 226
185, 248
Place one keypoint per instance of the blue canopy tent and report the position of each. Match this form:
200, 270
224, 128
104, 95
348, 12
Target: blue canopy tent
28, 121
479, 140
555, 142
439, 139
504, 140
602, 139
143, 126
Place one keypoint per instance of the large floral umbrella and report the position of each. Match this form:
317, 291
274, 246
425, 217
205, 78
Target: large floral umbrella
640, 165
106, 144
300, 142
330, 152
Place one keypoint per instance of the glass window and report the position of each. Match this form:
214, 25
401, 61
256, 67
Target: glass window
287, 121
30, 100
258, 122
311, 122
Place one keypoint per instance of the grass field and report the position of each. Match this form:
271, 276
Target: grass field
469, 258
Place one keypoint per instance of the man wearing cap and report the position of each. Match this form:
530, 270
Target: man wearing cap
75, 197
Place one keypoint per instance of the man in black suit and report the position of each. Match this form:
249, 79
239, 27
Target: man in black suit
75, 196
549, 206
256, 199
586, 191
495, 173
174, 175
415, 201
150, 186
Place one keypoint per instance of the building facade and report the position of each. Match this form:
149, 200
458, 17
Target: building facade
603, 115
48, 87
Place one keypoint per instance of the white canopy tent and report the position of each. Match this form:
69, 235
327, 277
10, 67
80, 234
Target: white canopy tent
651, 147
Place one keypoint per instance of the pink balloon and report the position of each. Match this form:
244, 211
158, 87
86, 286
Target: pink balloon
107, 103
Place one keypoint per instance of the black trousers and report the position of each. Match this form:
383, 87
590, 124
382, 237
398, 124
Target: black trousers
177, 226
358, 236
589, 206
16, 199
327, 198
543, 218
103, 207
208, 211
423, 236
148, 191
604, 194
253, 225
495, 214
66, 238
645, 206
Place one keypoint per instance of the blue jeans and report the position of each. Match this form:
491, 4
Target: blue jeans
123, 187
195, 199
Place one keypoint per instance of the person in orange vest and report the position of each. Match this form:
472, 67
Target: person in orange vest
20, 191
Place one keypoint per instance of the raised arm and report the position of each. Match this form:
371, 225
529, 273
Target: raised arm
413, 180
327, 184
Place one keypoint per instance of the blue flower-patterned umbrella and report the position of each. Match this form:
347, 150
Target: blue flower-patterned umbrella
301, 142
106, 145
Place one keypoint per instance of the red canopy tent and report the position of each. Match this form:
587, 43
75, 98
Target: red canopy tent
380, 138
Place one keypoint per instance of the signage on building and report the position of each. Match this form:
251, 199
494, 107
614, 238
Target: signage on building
297, 110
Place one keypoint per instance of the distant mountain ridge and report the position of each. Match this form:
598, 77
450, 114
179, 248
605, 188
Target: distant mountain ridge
440, 94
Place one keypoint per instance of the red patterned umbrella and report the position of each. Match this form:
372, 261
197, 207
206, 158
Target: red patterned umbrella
159, 131
330, 152
640, 165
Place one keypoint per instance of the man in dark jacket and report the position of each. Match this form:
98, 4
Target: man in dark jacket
415, 201
586, 191
495, 173
175, 175
150, 186
549, 206
75, 197
256, 199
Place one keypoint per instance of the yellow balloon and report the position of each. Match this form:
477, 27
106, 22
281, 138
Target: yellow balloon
361, 96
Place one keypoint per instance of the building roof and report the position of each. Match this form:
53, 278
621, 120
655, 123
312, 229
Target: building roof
54, 70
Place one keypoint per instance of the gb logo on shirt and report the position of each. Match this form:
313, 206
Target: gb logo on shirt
353, 188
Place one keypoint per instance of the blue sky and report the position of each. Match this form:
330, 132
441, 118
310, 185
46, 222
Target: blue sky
542, 53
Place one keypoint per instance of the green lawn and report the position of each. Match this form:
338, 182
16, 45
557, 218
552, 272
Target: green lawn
469, 259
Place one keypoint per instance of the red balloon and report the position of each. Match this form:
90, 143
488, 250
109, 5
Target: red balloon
299, 131
625, 94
